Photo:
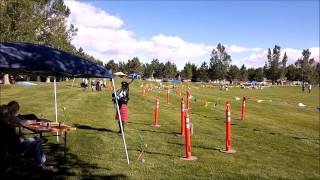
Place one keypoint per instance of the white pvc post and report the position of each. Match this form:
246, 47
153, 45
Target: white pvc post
73, 81
55, 102
120, 121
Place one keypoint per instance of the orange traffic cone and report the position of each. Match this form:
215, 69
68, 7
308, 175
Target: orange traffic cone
182, 133
156, 113
243, 108
228, 149
188, 157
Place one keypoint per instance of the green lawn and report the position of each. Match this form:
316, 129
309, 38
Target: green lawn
277, 140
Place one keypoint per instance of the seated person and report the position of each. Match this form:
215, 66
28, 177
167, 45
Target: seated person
14, 107
15, 144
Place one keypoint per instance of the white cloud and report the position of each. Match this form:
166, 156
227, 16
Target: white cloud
258, 59
240, 49
175, 47
103, 36
86, 15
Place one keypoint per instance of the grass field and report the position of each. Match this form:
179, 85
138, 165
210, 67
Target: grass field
277, 140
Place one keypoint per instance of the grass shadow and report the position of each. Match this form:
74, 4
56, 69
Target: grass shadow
316, 140
65, 168
138, 123
111, 177
198, 146
78, 126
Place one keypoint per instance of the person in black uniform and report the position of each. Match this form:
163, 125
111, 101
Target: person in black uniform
122, 96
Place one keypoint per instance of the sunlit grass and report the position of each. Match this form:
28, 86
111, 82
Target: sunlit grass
277, 140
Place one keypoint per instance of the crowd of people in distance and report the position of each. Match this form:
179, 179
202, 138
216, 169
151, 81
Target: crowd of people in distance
309, 86
94, 85
13, 143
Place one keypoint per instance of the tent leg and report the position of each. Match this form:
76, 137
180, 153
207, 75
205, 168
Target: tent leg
73, 81
120, 121
55, 102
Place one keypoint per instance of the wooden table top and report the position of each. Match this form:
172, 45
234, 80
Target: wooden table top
46, 126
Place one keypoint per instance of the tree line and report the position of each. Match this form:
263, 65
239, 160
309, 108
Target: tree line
44, 22
219, 67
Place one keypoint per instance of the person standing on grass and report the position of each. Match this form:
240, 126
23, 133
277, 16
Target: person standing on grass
122, 96
92, 84
309, 87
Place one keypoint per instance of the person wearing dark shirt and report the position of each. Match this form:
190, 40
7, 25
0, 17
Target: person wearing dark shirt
122, 96
16, 144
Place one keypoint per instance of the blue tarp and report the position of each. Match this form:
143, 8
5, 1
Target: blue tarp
175, 81
133, 75
42, 60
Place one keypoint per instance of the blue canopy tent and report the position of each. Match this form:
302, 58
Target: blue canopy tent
38, 59
27, 58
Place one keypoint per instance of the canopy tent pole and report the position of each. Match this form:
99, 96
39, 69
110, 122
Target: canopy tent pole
73, 81
55, 102
120, 120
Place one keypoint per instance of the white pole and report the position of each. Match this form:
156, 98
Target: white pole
55, 102
55, 98
119, 119
73, 81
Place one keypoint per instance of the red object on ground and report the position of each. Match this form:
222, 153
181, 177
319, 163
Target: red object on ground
123, 113
156, 113
243, 107
182, 118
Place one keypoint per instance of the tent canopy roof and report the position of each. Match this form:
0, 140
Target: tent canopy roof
119, 74
28, 58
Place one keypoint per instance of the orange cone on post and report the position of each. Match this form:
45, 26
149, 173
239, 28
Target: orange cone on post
243, 107
143, 91
228, 149
156, 113
188, 157
188, 100
182, 133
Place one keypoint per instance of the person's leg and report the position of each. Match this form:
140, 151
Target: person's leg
33, 147
123, 125
120, 126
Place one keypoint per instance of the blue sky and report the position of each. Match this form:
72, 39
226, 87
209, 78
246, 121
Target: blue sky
250, 26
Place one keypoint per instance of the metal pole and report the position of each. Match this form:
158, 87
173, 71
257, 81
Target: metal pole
55, 102
119, 119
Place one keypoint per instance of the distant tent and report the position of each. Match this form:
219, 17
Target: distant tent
27, 58
175, 81
134, 75
121, 74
